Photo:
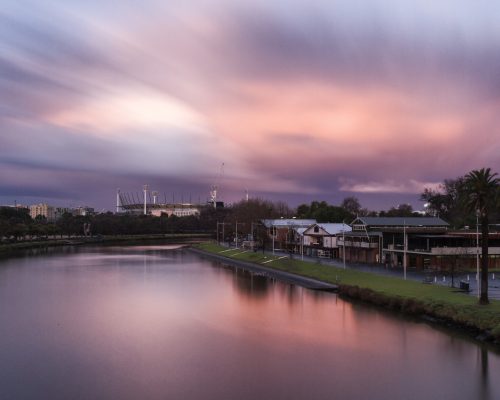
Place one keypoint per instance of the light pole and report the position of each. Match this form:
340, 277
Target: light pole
221, 223
252, 234
404, 249
117, 201
477, 256
302, 246
343, 241
274, 232
236, 234
145, 188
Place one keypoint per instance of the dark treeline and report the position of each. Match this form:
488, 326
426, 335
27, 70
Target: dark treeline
348, 210
244, 216
16, 224
450, 202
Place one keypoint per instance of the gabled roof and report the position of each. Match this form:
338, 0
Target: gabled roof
401, 221
288, 222
300, 231
330, 228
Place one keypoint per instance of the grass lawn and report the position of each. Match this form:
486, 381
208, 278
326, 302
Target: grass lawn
435, 300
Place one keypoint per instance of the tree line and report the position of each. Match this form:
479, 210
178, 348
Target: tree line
449, 201
463, 201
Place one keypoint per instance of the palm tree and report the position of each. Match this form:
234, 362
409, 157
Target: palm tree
482, 188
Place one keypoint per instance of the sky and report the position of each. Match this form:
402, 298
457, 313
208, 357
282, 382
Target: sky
301, 100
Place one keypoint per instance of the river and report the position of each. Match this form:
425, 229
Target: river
158, 322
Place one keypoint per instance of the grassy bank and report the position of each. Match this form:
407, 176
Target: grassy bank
410, 297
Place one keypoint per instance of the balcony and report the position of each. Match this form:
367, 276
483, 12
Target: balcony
459, 251
365, 245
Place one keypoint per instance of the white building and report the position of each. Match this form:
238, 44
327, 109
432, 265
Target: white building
179, 210
44, 210
321, 238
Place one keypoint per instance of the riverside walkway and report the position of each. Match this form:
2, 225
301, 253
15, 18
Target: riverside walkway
428, 276
303, 281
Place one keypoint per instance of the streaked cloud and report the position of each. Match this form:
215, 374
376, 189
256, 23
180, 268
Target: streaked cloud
315, 100
129, 109
388, 186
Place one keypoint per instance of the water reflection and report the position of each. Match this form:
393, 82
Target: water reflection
484, 381
156, 323
249, 284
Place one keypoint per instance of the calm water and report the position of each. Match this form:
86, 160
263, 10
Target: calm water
161, 323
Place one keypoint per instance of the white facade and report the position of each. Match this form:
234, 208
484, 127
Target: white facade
178, 211
324, 235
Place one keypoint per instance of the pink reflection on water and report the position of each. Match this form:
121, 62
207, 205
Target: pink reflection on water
181, 327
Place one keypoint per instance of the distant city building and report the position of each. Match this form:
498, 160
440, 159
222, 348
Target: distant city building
179, 210
60, 211
44, 210
78, 211
149, 203
83, 211
18, 206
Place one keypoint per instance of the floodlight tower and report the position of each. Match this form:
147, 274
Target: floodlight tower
117, 200
145, 188
215, 187
213, 195
155, 195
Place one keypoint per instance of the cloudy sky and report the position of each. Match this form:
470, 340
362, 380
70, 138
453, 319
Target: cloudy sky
301, 100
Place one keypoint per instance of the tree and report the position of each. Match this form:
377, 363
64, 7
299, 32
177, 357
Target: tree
449, 202
321, 211
482, 188
351, 205
402, 210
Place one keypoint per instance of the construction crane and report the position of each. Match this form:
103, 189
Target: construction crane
215, 187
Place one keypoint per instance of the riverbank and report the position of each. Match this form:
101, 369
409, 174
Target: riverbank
443, 304
6, 249
272, 273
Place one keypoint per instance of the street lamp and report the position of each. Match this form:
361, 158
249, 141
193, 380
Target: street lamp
145, 188
274, 232
343, 241
404, 248
221, 223
302, 245
236, 234
251, 230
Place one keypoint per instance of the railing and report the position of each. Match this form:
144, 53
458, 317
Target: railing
450, 251
364, 245
445, 251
